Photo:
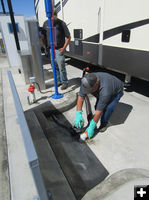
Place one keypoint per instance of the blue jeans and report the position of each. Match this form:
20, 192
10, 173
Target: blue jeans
110, 108
61, 73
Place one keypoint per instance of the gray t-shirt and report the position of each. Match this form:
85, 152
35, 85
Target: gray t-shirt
109, 87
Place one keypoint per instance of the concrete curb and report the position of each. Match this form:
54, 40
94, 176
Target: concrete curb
115, 181
22, 185
4, 171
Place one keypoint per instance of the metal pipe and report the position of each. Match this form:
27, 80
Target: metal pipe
48, 8
88, 109
13, 24
3, 7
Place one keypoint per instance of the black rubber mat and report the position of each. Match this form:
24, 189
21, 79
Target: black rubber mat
78, 165
53, 177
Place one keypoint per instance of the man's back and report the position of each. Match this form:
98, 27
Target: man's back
110, 84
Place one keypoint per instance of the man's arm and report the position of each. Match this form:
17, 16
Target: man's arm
80, 101
66, 44
97, 115
79, 121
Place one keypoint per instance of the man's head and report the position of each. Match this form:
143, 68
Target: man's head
55, 16
90, 83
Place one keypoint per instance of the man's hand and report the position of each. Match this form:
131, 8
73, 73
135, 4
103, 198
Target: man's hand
62, 50
91, 128
79, 121
65, 45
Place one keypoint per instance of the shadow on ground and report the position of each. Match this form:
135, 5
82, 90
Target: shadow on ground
73, 83
48, 74
120, 114
45, 59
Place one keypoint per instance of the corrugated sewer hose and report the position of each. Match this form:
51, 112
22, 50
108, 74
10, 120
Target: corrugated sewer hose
40, 89
73, 130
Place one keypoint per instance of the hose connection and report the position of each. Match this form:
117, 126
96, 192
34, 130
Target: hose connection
34, 85
86, 69
32, 98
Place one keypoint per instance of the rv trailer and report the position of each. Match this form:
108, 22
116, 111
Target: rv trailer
112, 34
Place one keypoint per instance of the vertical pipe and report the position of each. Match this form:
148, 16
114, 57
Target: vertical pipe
13, 24
3, 7
48, 8
53, 28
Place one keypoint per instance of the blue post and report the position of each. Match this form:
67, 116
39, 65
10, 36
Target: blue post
48, 7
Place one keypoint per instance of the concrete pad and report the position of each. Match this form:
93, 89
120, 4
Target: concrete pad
4, 171
62, 104
122, 148
4, 63
124, 145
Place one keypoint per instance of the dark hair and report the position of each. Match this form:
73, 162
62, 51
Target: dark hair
55, 12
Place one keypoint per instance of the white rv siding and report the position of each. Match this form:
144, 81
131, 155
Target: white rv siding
118, 13
83, 15
101, 15
77, 15
40, 11
115, 33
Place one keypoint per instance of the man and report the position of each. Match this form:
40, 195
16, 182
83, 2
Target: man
108, 90
42, 37
61, 32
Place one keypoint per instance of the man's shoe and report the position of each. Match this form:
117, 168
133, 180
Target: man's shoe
103, 128
59, 84
64, 87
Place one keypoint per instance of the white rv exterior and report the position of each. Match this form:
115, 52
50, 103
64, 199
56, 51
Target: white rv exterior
113, 34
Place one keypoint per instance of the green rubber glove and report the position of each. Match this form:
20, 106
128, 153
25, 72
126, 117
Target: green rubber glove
79, 121
90, 129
